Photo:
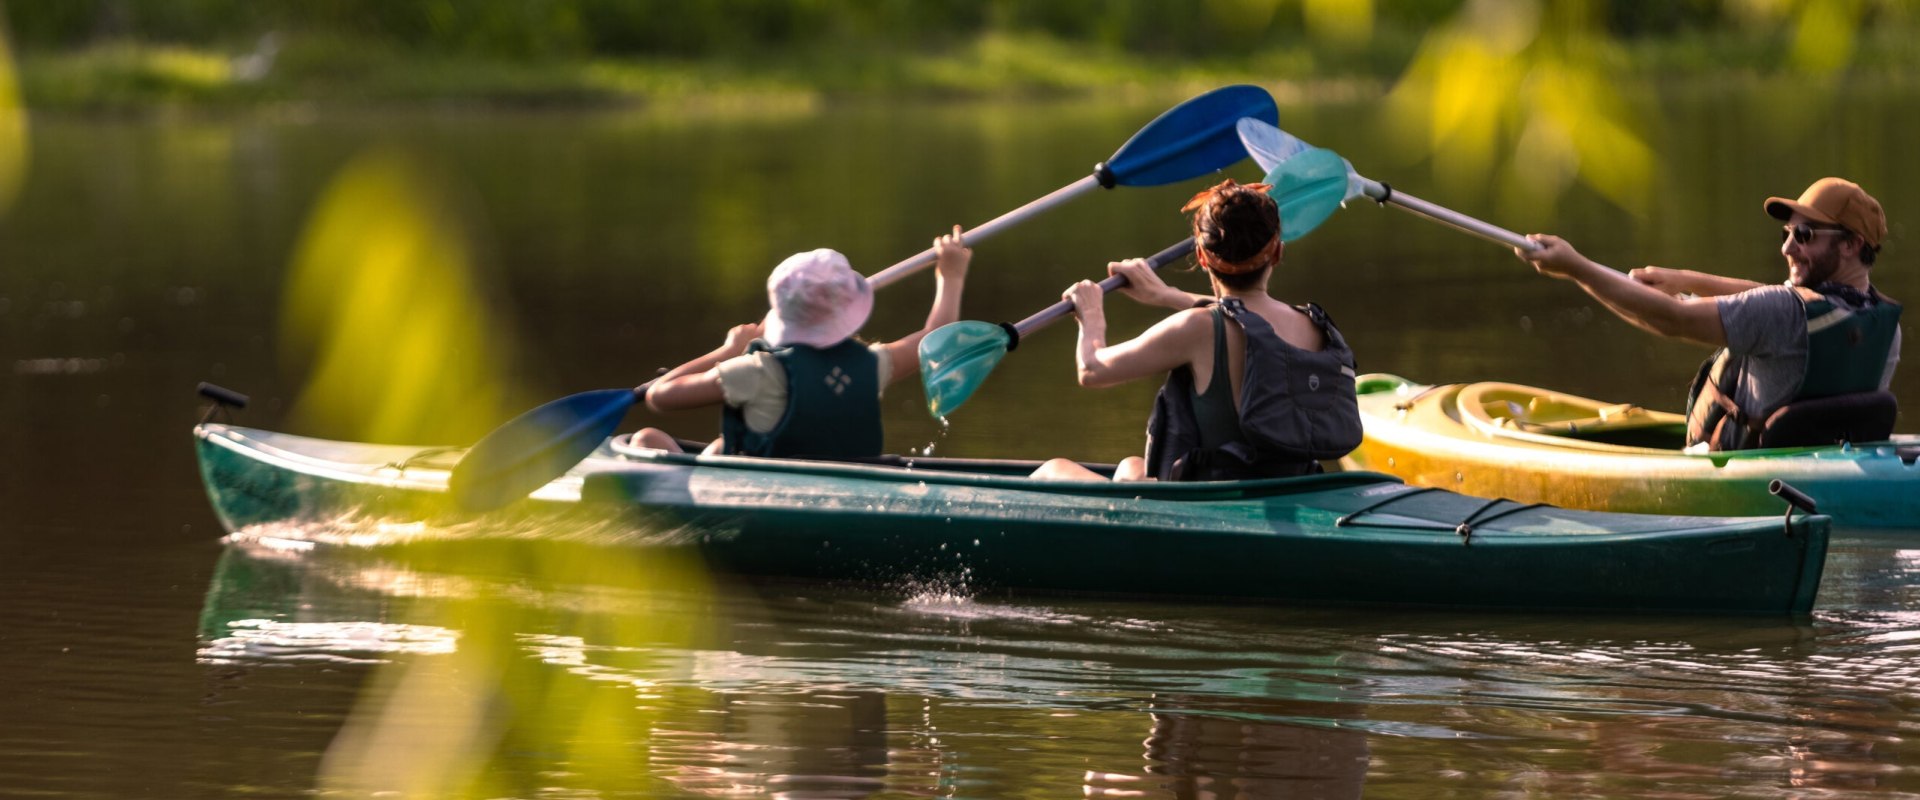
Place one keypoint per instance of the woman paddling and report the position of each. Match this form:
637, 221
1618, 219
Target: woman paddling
797, 384
1270, 395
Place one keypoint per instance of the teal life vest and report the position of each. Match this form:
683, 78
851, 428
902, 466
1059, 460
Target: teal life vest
1297, 407
1849, 337
833, 406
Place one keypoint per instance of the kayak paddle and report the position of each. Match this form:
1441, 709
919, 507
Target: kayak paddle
1332, 181
955, 359
1189, 140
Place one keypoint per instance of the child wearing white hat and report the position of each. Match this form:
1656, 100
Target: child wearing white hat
797, 384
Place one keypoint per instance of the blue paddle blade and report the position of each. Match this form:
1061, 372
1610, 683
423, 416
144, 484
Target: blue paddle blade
955, 359
1309, 186
536, 447
1193, 138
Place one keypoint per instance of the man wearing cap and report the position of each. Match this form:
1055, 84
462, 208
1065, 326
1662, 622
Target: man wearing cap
798, 384
1825, 333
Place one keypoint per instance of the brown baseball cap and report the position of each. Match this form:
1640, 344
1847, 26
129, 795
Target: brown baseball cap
1836, 201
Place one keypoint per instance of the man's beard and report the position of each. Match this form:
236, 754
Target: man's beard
1820, 268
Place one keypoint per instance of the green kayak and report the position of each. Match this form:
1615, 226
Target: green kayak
1347, 538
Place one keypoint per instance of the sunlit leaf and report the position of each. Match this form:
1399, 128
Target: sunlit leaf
526, 678
14, 146
383, 302
1246, 18
1513, 98
1339, 20
1823, 38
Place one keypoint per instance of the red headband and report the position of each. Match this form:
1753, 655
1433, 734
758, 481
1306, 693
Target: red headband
1262, 258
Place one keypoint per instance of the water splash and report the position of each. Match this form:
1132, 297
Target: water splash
945, 428
941, 593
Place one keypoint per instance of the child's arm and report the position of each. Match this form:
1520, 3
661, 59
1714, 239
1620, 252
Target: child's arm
697, 382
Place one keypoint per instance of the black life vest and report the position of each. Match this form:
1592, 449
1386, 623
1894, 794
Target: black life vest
1849, 336
833, 406
1297, 408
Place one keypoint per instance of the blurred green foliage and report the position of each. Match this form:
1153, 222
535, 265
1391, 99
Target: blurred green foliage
556, 28
15, 152
117, 53
533, 28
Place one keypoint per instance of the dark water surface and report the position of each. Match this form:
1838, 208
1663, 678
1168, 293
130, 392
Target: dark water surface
144, 658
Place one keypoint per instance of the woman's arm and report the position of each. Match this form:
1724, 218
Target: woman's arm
1168, 344
1145, 286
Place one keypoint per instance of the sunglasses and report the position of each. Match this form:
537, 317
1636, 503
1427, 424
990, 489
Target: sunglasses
1803, 233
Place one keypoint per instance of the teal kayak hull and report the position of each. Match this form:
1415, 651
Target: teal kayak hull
1344, 538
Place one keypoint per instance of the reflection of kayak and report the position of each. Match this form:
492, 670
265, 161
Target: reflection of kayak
1532, 445
1343, 538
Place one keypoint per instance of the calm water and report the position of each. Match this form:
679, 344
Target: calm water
144, 658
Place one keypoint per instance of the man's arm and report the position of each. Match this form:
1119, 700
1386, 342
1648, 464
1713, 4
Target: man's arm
1686, 281
1640, 305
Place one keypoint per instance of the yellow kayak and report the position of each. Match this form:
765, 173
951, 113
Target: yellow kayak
1534, 445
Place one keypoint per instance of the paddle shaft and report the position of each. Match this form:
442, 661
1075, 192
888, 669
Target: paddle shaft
926, 257
1048, 315
1274, 148
1189, 140
1384, 194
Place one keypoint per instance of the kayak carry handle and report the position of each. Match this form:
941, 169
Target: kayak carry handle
223, 398
222, 395
1794, 497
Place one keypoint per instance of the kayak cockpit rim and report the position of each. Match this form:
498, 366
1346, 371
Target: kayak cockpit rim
1468, 405
1002, 473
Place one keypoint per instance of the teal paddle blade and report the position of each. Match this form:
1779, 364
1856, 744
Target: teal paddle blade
1309, 186
1267, 144
955, 359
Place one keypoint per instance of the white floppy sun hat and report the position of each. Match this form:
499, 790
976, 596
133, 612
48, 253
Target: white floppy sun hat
816, 299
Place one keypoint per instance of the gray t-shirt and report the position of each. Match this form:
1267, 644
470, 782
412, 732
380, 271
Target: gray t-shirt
1767, 341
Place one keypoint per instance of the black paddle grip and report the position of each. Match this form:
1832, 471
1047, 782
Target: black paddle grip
1013, 335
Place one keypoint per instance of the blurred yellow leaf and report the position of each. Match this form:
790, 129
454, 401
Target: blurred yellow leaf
1245, 18
1824, 33
384, 302
522, 678
1517, 91
1340, 20
15, 149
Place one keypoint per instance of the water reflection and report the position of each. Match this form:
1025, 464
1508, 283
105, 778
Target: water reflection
625, 689
620, 237
1201, 746
792, 745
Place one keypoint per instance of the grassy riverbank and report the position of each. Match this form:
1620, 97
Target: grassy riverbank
127, 76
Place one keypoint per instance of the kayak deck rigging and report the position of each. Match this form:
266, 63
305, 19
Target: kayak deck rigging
1464, 527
